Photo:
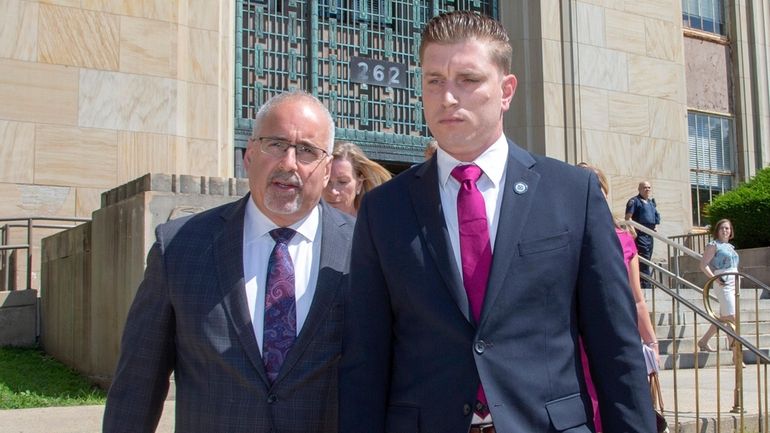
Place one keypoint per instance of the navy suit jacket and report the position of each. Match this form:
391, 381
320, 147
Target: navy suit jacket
412, 358
190, 315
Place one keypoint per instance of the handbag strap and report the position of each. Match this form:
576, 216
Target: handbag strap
657, 397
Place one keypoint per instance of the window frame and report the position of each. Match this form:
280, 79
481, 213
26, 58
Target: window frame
708, 16
712, 158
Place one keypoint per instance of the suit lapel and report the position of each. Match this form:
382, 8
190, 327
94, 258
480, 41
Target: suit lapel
518, 194
328, 285
424, 192
228, 253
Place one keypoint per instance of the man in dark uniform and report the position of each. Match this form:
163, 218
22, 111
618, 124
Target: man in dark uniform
641, 208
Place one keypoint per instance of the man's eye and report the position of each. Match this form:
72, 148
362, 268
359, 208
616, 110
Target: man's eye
308, 150
277, 145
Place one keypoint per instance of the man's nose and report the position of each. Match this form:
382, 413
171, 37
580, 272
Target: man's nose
289, 159
449, 98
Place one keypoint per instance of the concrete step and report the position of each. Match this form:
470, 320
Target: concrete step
687, 360
685, 316
667, 345
688, 330
746, 304
662, 300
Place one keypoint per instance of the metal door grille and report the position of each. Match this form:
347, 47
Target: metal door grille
308, 44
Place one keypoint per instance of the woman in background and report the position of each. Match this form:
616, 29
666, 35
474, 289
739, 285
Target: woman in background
720, 257
352, 175
644, 323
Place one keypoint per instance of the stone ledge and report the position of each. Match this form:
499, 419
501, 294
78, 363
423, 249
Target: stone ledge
18, 298
177, 184
18, 318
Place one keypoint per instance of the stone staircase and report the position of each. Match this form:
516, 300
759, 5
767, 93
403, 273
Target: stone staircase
754, 327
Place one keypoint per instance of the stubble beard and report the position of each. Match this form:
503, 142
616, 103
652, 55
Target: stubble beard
284, 202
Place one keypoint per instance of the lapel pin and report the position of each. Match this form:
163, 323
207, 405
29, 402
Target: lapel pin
520, 188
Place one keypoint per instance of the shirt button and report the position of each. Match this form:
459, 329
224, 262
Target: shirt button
480, 347
466, 409
272, 398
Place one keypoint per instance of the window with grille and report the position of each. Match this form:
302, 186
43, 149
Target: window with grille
705, 15
315, 45
712, 159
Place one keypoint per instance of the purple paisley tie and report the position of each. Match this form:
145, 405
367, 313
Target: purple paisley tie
475, 249
280, 328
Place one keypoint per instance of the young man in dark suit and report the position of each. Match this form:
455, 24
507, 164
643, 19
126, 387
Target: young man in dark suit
474, 273
243, 302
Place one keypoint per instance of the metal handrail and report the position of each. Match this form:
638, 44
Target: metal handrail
29, 224
663, 239
705, 314
732, 332
676, 280
697, 240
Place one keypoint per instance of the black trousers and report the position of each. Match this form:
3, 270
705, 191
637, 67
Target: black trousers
644, 244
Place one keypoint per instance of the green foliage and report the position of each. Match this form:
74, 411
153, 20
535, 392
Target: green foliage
30, 378
748, 207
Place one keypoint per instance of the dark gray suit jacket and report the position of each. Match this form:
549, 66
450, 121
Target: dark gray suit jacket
190, 316
412, 359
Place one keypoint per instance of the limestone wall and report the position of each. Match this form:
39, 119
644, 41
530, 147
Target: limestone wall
94, 93
604, 82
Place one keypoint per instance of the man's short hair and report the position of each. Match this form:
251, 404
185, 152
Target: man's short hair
280, 98
460, 26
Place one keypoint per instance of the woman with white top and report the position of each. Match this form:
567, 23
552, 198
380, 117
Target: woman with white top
719, 258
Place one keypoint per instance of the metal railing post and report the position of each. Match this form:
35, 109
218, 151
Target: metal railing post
6, 260
28, 223
29, 253
737, 353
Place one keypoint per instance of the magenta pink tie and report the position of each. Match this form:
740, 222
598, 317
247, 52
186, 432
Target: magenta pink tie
475, 249
280, 328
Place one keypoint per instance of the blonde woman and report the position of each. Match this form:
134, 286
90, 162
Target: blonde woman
352, 175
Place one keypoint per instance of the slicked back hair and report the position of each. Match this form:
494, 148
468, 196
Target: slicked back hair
460, 26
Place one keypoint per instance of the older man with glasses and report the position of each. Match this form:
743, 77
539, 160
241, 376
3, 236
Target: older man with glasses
243, 302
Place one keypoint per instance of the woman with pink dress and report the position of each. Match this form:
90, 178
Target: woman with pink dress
644, 323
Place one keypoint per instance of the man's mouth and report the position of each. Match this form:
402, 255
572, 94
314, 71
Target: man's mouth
450, 120
285, 185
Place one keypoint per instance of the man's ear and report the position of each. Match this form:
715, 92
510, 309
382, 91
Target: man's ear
247, 158
509, 89
327, 171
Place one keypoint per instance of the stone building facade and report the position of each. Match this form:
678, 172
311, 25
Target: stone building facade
95, 93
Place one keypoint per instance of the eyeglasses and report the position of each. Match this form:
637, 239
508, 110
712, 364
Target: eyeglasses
304, 153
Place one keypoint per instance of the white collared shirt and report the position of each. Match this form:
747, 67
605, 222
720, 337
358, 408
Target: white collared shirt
304, 249
492, 162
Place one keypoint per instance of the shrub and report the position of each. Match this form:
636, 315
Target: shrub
748, 207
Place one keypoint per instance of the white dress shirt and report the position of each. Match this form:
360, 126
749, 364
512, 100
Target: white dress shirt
492, 163
304, 249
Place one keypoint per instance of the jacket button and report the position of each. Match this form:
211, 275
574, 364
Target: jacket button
466, 409
272, 398
480, 346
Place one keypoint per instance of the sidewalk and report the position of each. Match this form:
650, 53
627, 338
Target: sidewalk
75, 419
88, 419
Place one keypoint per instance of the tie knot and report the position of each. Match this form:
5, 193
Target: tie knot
470, 172
282, 235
